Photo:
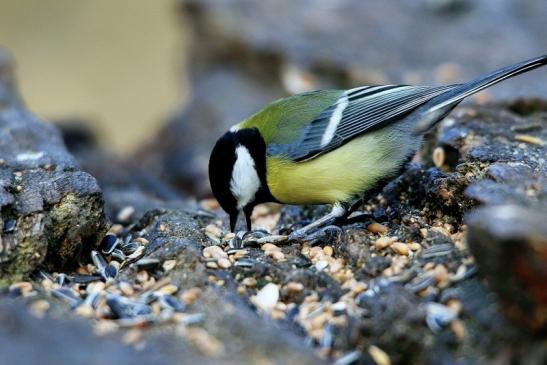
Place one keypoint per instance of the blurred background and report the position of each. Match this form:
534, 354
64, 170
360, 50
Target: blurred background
115, 64
160, 81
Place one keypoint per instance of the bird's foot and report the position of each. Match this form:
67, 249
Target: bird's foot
325, 228
316, 236
255, 238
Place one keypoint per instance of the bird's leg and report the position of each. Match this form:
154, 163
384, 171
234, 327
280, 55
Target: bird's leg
338, 210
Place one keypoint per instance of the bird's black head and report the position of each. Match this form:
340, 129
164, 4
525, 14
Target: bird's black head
237, 173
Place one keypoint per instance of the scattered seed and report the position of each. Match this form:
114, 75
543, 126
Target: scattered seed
85, 310
359, 287
414, 246
438, 316
321, 265
224, 263
132, 337
103, 328
116, 229
191, 295
348, 358
384, 242
339, 308
529, 139
294, 288
22, 287
125, 214
9, 225
129, 248
142, 276
335, 266
377, 228
328, 250
209, 204
169, 265
269, 247
213, 232
204, 342
249, 282
266, 298
126, 288
168, 289
141, 240
68, 295
147, 263
458, 328
442, 249
39, 308
314, 251
379, 356
214, 252
440, 273
400, 248
272, 239
277, 315
109, 243
171, 303
438, 157
111, 271
420, 283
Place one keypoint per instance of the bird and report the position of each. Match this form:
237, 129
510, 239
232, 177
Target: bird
332, 146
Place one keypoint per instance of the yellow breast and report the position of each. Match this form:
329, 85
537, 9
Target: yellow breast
340, 175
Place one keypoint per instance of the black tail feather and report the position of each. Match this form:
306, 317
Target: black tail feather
441, 104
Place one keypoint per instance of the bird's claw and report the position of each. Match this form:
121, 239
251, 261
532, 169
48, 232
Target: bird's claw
254, 238
316, 235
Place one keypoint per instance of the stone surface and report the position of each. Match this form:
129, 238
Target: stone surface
26, 340
510, 244
125, 184
50, 210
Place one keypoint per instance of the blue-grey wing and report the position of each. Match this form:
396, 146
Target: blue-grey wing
357, 111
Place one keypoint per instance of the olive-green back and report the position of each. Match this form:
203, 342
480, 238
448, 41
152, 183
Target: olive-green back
282, 120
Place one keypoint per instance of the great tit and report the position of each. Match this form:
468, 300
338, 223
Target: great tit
332, 146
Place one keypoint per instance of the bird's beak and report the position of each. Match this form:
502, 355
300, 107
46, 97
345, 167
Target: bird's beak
233, 221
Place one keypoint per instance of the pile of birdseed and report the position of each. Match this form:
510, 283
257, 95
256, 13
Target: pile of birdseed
324, 289
133, 302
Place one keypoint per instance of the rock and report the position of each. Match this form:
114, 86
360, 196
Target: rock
26, 340
51, 212
126, 186
510, 245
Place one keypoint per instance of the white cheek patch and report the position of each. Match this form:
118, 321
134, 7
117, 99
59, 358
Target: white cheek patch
245, 181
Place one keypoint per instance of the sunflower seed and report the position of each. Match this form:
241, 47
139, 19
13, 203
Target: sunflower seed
10, 225
129, 247
109, 243
68, 295
99, 261
170, 302
348, 358
438, 316
442, 249
110, 271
